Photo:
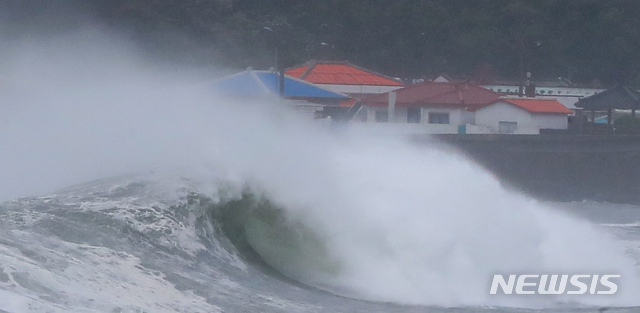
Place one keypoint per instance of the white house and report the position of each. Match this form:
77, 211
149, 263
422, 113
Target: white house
431, 107
522, 116
460, 107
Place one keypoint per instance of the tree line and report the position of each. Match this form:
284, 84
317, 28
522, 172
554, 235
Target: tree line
586, 41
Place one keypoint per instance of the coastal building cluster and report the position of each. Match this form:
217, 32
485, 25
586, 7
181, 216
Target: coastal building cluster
344, 92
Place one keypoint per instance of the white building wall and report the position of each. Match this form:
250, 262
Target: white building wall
467, 117
527, 122
483, 121
548, 91
456, 118
491, 116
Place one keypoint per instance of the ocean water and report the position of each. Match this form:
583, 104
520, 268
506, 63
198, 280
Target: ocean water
129, 189
140, 244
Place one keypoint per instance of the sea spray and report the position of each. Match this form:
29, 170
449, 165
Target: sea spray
404, 224
421, 226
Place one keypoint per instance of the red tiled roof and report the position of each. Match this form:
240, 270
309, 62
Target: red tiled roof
340, 74
451, 94
540, 105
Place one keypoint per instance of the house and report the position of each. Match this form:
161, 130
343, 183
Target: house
442, 106
462, 107
522, 116
345, 78
302, 95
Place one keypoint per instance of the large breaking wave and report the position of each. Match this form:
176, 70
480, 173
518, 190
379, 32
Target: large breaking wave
154, 243
260, 208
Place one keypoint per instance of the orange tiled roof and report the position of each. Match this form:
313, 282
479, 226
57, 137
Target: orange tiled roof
340, 74
540, 105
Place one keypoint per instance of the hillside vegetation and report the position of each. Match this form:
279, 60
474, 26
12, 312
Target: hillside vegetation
587, 41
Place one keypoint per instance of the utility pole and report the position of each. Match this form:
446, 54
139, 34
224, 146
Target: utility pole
279, 66
520, 48
280, 73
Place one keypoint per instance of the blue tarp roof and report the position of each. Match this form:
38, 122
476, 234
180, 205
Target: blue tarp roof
252, 83
602, 120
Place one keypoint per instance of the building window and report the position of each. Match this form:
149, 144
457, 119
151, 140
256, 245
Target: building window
413, 115
438, 118
508, 127
382, 116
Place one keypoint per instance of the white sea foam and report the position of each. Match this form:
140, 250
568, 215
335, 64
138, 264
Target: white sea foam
83, 278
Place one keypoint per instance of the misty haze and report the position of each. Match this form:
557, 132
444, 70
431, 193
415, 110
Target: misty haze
244, 156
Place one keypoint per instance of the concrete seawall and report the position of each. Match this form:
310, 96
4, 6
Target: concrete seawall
557, 167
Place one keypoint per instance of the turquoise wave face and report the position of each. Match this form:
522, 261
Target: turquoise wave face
291, 248
265, 236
